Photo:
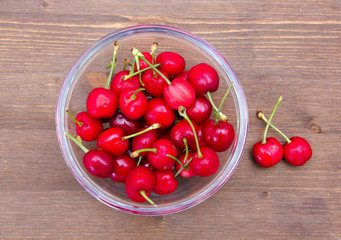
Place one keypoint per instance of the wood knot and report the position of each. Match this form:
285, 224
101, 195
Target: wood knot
43, 4
315, 128
265, 194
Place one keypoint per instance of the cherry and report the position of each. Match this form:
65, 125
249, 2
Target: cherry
171, 62
200, 110
165, 182
205, 165
183, 130
297, 151
179, 93
201, 140
203, 78
133, 103
97, 162
186, 172
182, 75
119, 83
123, 165
159, 112
268, 152
218, 136
102, 103
87, 127
154, 83
145, 140
130, 126
142, 63
139, 184
112, 141
144, 162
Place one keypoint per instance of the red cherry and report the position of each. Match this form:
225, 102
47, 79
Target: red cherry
142, 63
139, 180
123, 165
160, 159
87, 127
219, 136
154, 84
98, 163
165, 182
200, 110
187, 173
111, 141
130, 126
206, 165
159, 112
203, 78
144, 162
118, 85
133, 103
182, 75
172, 63
183, 130
179, 93
145, 140
102, 103
268, 154
298, 151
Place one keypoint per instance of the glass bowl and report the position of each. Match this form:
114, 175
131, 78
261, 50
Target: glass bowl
89, 72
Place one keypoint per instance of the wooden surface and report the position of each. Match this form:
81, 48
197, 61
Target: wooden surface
276, 47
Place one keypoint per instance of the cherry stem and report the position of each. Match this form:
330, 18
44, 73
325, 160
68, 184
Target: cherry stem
140, 55
133, 97
186, 147
177, 160
132, 67
140, 158
77, 142
137, 61
182, 112
153, 50
125, 77
143, 193
261, 115
137, 152
74, 119
221, 104
272, 114
185, 166
153, 126
222, 116
113, 64
126, 63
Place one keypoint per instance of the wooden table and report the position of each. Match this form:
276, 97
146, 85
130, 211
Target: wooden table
276, 47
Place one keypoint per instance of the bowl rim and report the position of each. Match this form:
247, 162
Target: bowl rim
238, 147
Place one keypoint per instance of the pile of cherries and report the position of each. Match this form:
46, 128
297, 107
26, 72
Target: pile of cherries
268, 152
160, 124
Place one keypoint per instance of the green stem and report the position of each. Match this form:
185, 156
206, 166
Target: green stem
177, 160
137, 152
132, 67
272, 114
221, 104
140, 55
140, 158
153, 126
221, 115
133, 97
182, 112
125, 77
186, 147
74, 119
262, 116
185, 166
77, 142
113, 64
143, 193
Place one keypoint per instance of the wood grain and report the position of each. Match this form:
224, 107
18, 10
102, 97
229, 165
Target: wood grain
276, 47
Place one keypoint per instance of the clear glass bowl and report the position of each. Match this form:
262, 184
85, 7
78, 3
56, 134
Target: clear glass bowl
89, 72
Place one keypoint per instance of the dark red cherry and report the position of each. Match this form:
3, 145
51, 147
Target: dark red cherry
298, 151
159, 112
183, 130
111, 141
98, 163
102, 103
165, 182
130, 126
200, 110
172, 63
206, 165
144, 162
133, 103
139, 181
268, 154
179, 93
118, 84
160, 159
182, 75
219, 136
203, 78
123, 165
154, 84
145, 140
143, 64
187, 172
